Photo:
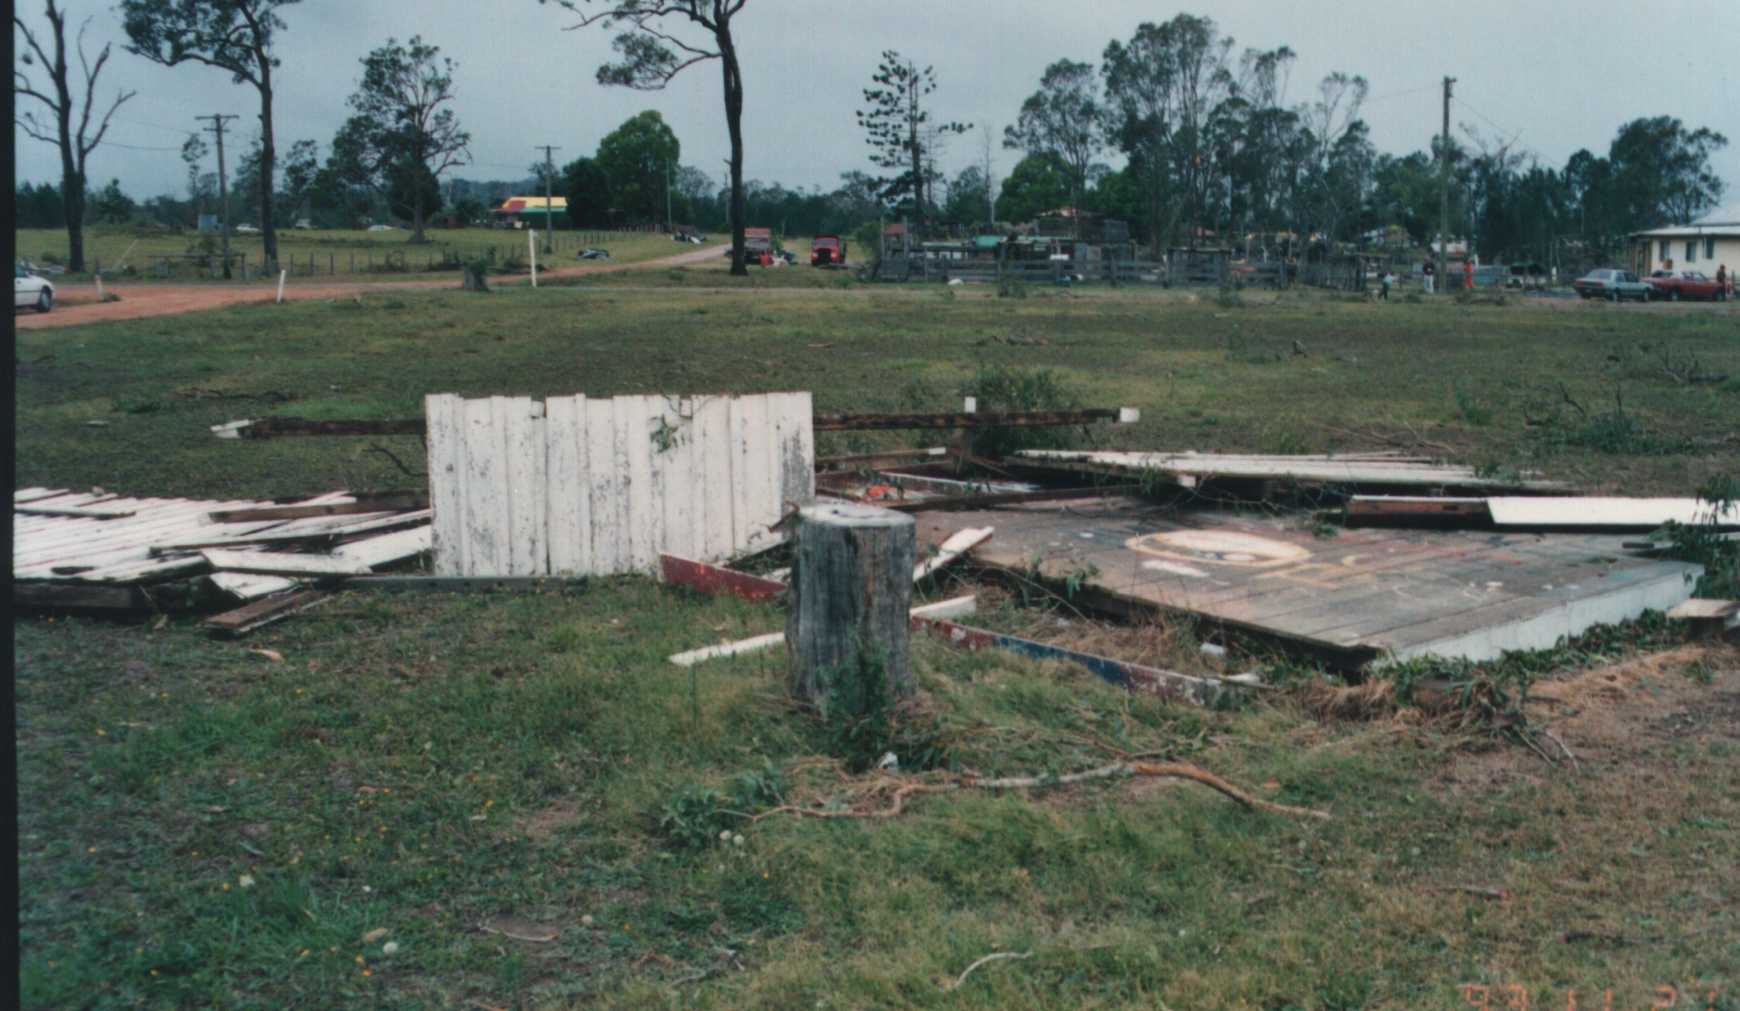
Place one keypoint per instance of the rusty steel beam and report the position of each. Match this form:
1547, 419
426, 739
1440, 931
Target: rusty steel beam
1005, 419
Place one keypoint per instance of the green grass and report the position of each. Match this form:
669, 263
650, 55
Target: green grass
1479, 385
334, 251
423, 764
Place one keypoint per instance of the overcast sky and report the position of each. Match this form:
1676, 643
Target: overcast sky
1557, 74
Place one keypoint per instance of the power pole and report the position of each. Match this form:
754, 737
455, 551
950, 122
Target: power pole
1444, 182
217, 127
549, 174
670, 226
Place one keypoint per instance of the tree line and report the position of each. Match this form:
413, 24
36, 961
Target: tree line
1213, 147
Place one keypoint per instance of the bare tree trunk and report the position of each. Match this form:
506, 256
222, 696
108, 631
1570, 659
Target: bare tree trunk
734, 124
268, 168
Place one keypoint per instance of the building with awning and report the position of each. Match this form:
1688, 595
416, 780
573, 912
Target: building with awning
1707, 244
530, 212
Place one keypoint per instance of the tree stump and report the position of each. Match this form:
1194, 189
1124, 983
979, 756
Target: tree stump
851, 587
475, 279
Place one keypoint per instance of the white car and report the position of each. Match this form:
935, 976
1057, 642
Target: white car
382, 228
30, 290
246, 230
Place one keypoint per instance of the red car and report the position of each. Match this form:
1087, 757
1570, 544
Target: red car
1675, 285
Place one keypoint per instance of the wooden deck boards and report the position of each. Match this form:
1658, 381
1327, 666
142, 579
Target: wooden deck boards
1392, 591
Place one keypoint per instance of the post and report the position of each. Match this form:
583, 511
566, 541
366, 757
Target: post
549, 213
851, 588
281, 274
532, 244
217, 127
1444, 181
99, 287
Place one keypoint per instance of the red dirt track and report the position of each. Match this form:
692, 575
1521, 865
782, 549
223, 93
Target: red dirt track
139, 301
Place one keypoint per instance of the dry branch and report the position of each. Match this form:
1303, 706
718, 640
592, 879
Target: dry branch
1159, 770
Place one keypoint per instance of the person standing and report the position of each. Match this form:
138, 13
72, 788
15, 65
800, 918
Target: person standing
1428, 273
1468, 274
1722, 279
1388, 279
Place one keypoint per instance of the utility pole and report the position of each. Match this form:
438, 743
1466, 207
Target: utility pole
670, 226
549, 174
1444, 182
217, 127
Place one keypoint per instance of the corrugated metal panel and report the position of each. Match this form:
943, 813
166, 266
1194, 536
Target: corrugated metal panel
570, 486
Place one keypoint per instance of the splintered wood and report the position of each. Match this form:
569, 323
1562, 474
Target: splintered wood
574, 486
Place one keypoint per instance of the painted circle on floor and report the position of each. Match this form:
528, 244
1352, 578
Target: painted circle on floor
1219, 547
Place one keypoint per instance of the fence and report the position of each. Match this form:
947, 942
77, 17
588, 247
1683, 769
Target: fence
1179, 268
511, 252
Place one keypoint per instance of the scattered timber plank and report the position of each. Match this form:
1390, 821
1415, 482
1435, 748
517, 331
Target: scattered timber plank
880, 459
78, 597
1171, 684
951, 608
1004, 419
954, 547
245, 619
245, 587
1608, 513
270, 428
386, 549
1379, 509
467, 584
380, 502
309, 530
1304, 469
715, 579
88, 513
278, 564
1011, 498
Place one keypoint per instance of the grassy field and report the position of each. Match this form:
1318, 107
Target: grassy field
327, 253
524, 800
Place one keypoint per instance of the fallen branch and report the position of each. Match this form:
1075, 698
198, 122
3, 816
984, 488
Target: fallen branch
995, 956
1161, 770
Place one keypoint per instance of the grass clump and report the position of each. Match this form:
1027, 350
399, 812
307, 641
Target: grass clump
1000, 388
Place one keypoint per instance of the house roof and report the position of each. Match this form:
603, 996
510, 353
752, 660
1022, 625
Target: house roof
1721, 221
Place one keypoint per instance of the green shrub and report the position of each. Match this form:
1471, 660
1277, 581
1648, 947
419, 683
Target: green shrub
1001, 388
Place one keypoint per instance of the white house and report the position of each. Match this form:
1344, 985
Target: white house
1704, 245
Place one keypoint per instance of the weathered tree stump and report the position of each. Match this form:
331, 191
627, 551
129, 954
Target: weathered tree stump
475, 278
851, 587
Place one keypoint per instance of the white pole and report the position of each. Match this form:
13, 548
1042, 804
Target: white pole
99, 287
532, 244
281, 274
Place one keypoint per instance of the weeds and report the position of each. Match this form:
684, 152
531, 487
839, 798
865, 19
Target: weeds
1229, 298
1001, 388
1706, 545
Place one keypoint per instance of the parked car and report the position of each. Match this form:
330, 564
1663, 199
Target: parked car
827, 251
1677, 284
246, 229
593, 254
303, 225
382, 228
1613, 284
30, 290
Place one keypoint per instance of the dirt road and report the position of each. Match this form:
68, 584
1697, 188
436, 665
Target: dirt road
142, 300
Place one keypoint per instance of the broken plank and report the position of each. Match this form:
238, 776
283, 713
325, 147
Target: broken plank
388, 548
953, 607
707, 578
280, 564
268, 428
78, 597
90, 513
881, 459
245, 587
382, 502
245, 619
1119, 672
1012, 498
1598, 512
467, 584
1004, 419
1703, 607
958, 544
304, 530
1377, 509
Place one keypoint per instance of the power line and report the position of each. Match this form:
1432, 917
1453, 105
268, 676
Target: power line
135, 147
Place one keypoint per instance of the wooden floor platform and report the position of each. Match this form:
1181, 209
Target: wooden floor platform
1353, 595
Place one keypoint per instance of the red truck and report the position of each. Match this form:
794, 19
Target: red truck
827, 251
